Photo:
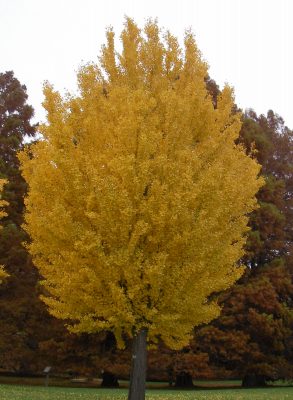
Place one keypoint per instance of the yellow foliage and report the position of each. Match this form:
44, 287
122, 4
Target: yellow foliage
3, 203
138, 196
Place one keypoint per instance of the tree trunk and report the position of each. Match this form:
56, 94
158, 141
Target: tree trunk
183, 380
109, 380
138, 367
254, 380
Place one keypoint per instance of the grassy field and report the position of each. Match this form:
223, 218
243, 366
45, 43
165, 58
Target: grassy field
66, 382
16, 392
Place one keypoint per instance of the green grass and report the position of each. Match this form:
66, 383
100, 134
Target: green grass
14, 392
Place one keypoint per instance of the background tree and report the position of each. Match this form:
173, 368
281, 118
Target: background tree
253, 336
23, 317
135, 172
271, 234
3, 203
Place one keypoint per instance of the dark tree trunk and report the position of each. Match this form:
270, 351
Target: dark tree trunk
184, 380
170, 373
138, 366
109, 380
253, 380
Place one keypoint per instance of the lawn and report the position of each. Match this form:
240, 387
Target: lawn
14, 392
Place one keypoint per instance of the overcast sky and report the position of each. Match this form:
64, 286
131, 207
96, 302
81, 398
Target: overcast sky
247, 43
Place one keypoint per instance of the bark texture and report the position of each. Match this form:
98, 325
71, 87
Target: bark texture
138, 366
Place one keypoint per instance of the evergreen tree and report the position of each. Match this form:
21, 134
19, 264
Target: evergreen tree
20, 309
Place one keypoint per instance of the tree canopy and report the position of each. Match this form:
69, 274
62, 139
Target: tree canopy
144, 202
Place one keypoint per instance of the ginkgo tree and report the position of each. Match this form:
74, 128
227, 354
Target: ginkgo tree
138, 195
3, 203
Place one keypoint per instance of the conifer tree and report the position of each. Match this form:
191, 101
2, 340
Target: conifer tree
20, 308
138, 195
15, 116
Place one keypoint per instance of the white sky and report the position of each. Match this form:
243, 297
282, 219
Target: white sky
247, 43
